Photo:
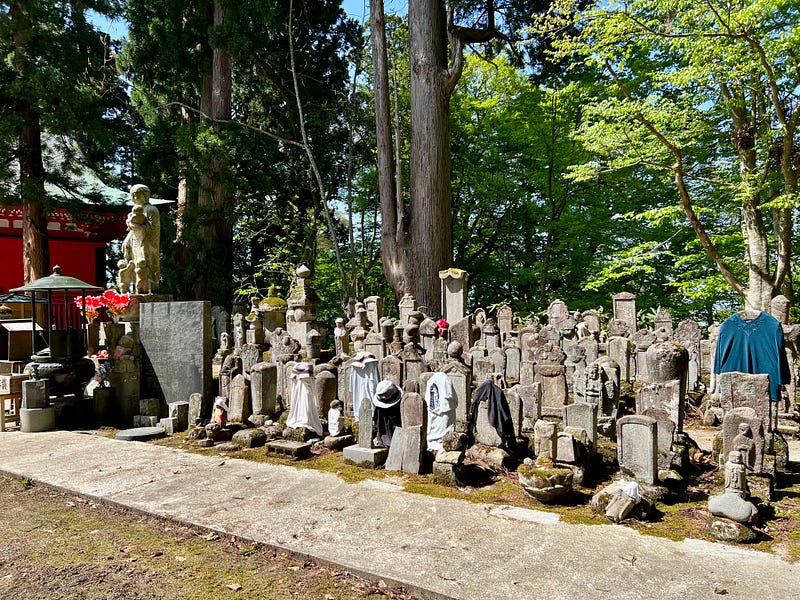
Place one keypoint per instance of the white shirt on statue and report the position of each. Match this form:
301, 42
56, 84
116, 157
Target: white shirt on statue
363, 381
441, 401
304, 411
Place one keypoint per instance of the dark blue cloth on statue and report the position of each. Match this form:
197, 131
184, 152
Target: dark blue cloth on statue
754, 347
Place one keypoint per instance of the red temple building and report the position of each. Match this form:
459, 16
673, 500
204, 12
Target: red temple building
77, 242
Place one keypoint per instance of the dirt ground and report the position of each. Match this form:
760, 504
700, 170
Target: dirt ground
57, 545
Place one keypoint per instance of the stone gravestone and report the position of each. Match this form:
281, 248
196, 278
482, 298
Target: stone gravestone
550, 373
461, 379
556, 313
374, 306
363, 453
412, 411
574, 364
461, 331
620, 349
176, 351
527, 372
688, 335
745, 389
742, 429
263, 388
663, 321
591, 348
366, 432
584, 416
326, 383
665, 435
239, 402
505, 321
481, 367
642, 340
593, 324
637, 447
285, 383
490, 335
526, 340
668, 361
405, 453
427, 333
454, 294
196, 415
545, 440
413, 364
484, 432
406, 306
251, 354
375, 345
662, 396
498, 358
513, 360
515, 407
343, 383
625, 309
531, 399
391, 368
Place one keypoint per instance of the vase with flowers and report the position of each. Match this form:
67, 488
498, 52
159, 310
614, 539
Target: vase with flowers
89, 307
115, 304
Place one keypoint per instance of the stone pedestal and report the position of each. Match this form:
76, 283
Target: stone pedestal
102, 401
365, 457
32, 420
290, 448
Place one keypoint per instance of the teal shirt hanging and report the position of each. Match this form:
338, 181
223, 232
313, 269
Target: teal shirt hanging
754, 347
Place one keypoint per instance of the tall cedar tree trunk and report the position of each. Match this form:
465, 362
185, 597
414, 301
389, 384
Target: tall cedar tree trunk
393, 240
420, 240
215, 246
222, 237
430, 217
35, 248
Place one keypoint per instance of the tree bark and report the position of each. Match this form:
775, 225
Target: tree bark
214, 245
393, 238
222, 232
430, 218
760, 285
35, 246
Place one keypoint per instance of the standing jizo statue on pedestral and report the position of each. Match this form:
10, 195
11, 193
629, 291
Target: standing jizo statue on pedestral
140, 270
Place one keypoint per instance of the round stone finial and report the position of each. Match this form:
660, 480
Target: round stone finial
455, 350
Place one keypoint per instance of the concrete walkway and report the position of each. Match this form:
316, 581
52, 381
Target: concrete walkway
438, 548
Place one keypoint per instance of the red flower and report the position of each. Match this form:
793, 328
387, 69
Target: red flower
115, 303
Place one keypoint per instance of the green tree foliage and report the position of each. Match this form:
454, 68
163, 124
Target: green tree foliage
275, 209
527, 233
58, 85
704, 95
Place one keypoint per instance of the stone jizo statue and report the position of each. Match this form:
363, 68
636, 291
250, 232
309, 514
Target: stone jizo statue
744, 446
140, 268
735, 474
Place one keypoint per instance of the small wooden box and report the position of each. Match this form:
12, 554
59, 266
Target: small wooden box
11, 384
